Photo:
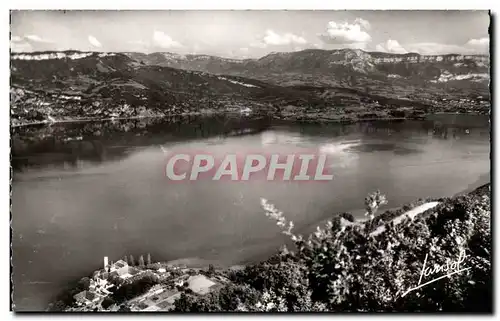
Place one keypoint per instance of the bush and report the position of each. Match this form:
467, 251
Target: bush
107, 302
229, 298
348, 269
348, 216
135, 288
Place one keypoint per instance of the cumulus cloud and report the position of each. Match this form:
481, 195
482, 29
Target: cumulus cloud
481, 45
94, 42
28, 43
20, 46
161, 39
16, 38
272, 38
362, 22
432, 48
471, 47
346, 33
34, 38
391, 46
479, 42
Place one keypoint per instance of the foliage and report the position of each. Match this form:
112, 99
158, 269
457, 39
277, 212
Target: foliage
389, 215
107, 302
346, 268
135, 288
211, 271
123, 308
372, 202
84, 283
230, 298
141, 261
348, 216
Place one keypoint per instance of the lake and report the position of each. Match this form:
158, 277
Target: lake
82, 191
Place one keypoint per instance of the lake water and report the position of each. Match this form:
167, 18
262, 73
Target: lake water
84, 191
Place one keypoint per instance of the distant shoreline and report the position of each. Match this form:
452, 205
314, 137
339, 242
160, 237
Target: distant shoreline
84, 120
292, 118
274, 117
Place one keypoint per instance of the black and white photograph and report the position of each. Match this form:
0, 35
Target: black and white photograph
250, 161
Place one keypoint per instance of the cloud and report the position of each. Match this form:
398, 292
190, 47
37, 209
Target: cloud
391, 46
471, 47
362, 22
34, 38
479, 42
356, 45
94, 42
29, 43
18, 45
481, 45
161, 39
346, 33
272, 38
258, 44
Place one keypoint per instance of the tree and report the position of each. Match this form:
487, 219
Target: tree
107, 302
148, 259
132, 262
348, 216
372, 202
211, 270
124, 308
58, 306
141, 261
125, 258
84, 283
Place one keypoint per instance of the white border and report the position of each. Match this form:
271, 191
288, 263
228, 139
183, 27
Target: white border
178, 5
257, 4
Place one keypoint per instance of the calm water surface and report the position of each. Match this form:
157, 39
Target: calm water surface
82, 193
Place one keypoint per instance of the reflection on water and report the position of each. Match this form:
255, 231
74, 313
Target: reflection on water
74, 145
105, 194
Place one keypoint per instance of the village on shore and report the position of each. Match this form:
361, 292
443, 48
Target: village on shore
123, 287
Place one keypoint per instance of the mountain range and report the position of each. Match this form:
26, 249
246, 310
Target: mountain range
73, 84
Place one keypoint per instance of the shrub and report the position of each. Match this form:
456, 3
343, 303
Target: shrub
229, 298
107, 302
346, 268
134, 288
351, 270
348, 216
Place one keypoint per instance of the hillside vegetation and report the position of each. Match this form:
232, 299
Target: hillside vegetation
308, 85
344, 268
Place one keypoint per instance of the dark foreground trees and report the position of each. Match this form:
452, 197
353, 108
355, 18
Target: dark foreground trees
346, 268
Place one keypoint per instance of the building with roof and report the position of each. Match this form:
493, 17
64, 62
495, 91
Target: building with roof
100, 287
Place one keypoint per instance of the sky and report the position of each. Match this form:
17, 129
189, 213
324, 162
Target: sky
251, 34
